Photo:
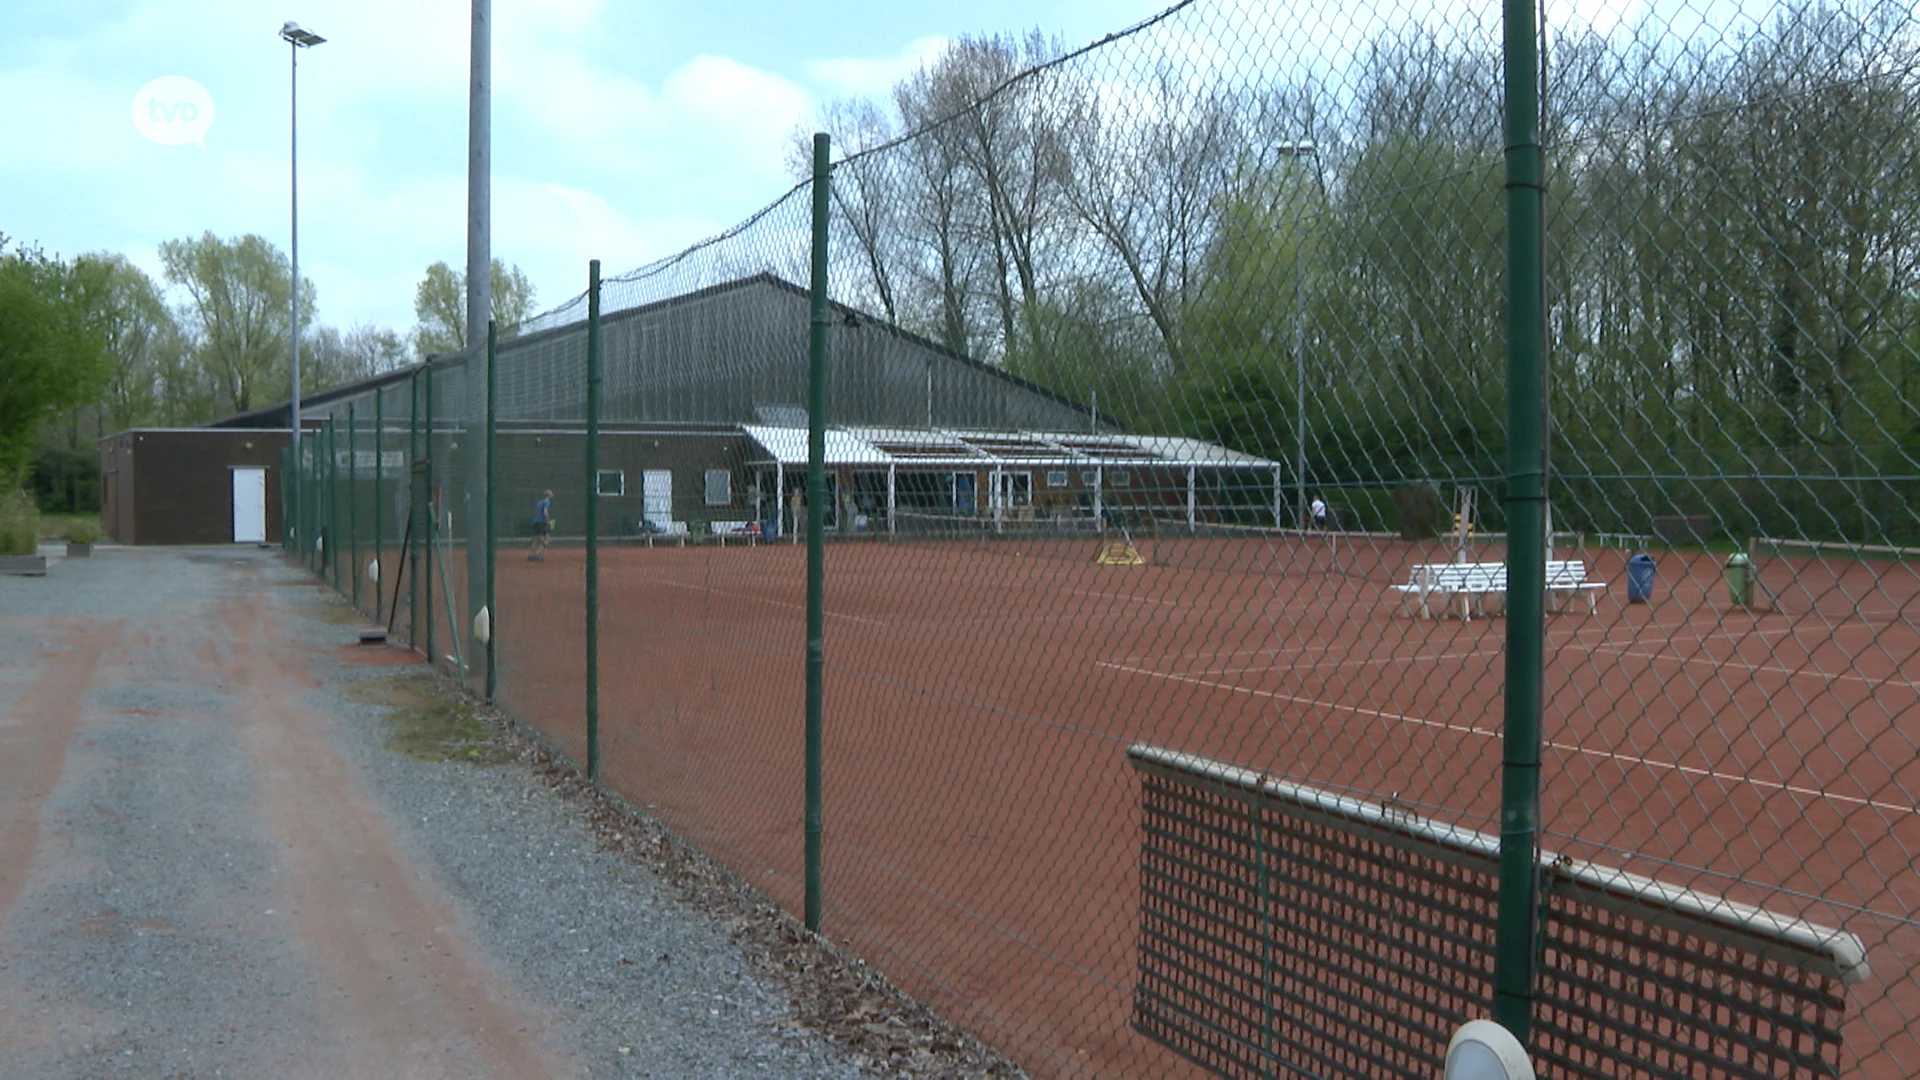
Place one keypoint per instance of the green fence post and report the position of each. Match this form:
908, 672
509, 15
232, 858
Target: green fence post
308, 460
493, 447
592, 511
309, 486
353, 503
429, 511
331, 571
322, 437
302, 484
415, 524
816, 517
1517, 921
379, 470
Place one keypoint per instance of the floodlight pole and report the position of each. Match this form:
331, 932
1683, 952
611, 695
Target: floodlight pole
479, 300
296, 40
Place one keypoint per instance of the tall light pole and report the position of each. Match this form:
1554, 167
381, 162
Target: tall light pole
296, 40
1296, 151
479, 298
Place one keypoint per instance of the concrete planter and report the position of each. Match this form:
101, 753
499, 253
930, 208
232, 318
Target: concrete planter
24, 565
79, 551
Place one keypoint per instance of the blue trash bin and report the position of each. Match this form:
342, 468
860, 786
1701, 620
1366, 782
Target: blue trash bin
1640, 578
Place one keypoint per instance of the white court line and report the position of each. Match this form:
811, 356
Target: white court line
1122, 596
1278, 696
1388, 659
1571, 748
1743, 665
1733, 662
1266, 650
765, 600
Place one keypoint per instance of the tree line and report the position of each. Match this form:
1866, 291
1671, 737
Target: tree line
94, 344
1733, 322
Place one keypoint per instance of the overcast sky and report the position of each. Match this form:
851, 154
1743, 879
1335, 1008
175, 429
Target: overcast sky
622, 131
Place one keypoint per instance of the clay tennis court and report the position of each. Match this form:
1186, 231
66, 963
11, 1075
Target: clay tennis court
981, 821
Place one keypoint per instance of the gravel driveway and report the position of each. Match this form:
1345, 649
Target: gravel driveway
214, 862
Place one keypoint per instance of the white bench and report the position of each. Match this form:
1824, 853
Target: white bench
1569, 576
735, 531
1448, 580
1471, 581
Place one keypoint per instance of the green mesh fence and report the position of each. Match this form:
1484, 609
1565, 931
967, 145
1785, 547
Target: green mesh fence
1167, 405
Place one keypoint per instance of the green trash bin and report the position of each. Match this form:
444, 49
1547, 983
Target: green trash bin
1739, 582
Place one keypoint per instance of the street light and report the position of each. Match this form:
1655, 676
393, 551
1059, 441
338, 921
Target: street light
1296, 151
296, 40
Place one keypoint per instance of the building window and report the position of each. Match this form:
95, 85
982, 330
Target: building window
1089, 477
1120, 478
613, 482
719, 487
1056, 478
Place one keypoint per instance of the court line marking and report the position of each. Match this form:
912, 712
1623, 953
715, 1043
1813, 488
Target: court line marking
1744, 665
1411, 658
1123, 596
1357, 710
1571, 748
766, 600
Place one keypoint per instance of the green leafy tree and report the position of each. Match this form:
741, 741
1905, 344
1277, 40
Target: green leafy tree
53, 357
238, 297
440, 306
140, 331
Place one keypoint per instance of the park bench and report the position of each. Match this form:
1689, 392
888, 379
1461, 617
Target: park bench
1472, 581
735, 531
1569, 577
1467, 581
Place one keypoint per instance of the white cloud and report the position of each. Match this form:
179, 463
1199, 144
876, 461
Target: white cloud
874, 77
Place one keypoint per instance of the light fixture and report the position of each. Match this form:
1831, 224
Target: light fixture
305, 39
1483, 1050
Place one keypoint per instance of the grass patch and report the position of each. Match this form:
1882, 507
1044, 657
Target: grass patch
62, 526
421, 724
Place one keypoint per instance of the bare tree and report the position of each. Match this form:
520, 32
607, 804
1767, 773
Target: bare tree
1150, 175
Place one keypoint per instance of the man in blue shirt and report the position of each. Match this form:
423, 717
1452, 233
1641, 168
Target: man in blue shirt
542, 526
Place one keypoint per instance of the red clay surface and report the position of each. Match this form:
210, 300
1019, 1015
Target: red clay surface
982, 822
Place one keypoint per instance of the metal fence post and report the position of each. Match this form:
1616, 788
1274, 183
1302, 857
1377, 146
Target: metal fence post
309, 496
1526, 508
429, 511
353, 503
593, 520
416, 527
331, 572
816, 517
379, 470
492, 539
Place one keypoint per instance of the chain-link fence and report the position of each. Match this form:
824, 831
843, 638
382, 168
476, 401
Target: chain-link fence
1182, 394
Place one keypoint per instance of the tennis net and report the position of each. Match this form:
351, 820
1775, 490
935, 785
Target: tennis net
1834, 581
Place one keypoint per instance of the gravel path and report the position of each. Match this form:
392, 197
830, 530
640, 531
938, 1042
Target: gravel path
212, 864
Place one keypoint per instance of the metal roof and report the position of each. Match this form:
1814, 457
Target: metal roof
940, 448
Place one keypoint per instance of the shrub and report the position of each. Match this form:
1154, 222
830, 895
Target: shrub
19, 527
83, 531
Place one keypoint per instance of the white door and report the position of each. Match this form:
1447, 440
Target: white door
249, 505
657, 496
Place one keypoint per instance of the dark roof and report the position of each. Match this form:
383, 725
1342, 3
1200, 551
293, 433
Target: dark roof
277, 414
280, 415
